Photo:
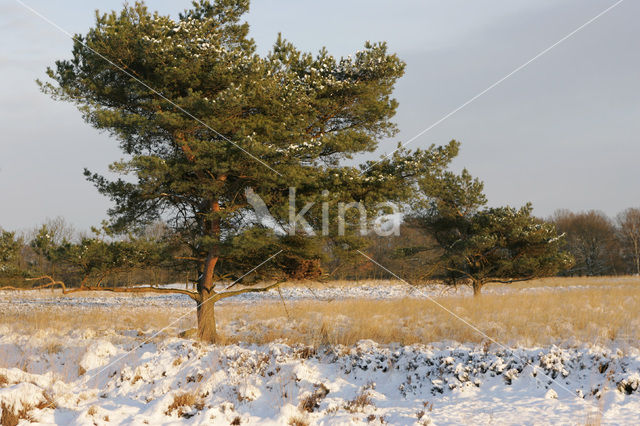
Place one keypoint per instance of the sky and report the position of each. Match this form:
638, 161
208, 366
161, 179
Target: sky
562, 132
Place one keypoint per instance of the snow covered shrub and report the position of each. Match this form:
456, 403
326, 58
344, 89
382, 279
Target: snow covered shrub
297, 421
630, 384
12, 414
185, 403
362, 400
11, 418
312, 401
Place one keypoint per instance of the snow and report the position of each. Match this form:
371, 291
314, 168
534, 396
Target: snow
21, 395
97, 355
378, 290
271, 384
102, 376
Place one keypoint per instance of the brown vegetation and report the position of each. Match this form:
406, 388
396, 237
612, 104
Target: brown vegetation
558, 309
11, 416
361, 400
182, 402
311, 402
297, 421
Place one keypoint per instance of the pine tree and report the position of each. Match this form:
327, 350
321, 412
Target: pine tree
479, 245
10, 246
220, 119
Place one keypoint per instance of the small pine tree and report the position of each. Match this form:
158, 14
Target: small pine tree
10, 247
479, 245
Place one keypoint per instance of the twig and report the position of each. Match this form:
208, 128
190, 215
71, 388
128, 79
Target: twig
283, 304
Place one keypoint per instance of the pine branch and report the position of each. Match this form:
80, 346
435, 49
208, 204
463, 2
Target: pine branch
246, 290
509, 281
66, 290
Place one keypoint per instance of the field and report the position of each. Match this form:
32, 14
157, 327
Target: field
556, 350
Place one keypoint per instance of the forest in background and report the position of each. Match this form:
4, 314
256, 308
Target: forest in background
599, 245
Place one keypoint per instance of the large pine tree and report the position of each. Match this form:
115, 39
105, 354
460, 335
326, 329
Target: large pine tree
201, 117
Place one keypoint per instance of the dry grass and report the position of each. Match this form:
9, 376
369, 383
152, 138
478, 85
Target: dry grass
358, 404
578, 281
12, 417
591, 310
311, 402
53, 347
541, 282
580, 315
298, 421
97, 320
182, 402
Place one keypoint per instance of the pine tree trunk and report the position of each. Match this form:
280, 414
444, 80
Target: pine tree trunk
477, 287
206, 316
205, 313
206, 319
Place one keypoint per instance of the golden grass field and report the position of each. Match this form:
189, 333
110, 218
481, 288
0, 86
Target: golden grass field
589, 310
596, 314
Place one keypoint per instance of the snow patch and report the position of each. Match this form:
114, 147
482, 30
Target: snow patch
97, 355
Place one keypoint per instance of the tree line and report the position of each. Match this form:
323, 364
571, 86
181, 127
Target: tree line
597, 244
56, 249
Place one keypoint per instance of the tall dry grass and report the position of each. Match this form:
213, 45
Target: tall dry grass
599, 281
592, 315
43, 320
589, 311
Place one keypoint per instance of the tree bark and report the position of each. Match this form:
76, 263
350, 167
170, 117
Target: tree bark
206, 319
205, 313
477, 287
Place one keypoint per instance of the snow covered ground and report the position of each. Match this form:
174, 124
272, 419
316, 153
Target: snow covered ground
378, 290
85, 374
97, 380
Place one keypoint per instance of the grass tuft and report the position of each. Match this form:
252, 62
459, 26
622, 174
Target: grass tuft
183, 403
11, 417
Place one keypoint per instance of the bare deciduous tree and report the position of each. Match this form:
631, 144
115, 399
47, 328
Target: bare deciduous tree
591, 239
629, 231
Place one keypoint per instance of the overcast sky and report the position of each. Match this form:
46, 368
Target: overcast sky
561, 133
